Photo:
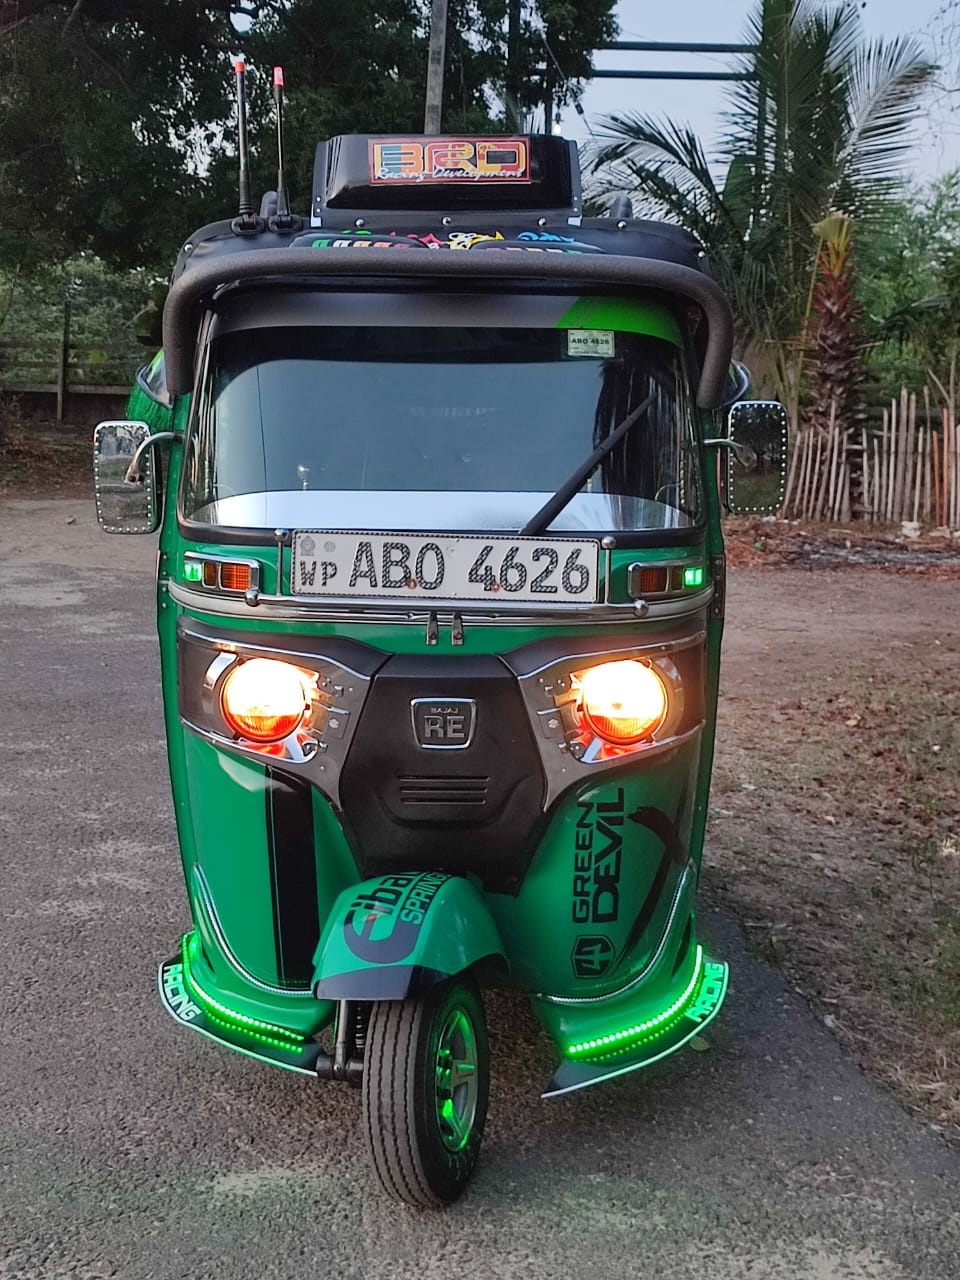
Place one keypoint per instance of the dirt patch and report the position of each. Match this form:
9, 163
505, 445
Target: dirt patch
835, 811
767, 543
46, 459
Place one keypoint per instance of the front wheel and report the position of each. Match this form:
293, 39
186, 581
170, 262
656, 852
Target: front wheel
426, 1077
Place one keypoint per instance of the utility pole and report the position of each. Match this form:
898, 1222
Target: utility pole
514, 80
435, 64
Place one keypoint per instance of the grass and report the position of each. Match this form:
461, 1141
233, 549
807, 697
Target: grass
843, 861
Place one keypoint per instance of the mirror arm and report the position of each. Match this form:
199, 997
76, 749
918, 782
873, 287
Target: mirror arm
132, 475
742, 455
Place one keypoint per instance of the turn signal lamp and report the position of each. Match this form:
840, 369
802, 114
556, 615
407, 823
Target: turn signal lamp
264, 700
623, 702
235, 577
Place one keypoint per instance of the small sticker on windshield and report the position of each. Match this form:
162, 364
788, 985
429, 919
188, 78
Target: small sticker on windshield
590, 342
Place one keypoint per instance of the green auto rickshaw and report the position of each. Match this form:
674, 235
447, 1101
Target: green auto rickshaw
438, 475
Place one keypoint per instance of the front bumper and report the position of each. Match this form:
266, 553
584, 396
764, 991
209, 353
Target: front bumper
606, 1038
189, 1004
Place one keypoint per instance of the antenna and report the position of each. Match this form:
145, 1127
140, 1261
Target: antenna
283, 199
246, 202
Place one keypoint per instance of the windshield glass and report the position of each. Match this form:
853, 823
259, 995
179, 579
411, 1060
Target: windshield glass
439, 428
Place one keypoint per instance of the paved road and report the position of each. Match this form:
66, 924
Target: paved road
129, 1148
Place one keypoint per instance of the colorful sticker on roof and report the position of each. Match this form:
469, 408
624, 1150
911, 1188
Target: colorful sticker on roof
406, 160
590, 342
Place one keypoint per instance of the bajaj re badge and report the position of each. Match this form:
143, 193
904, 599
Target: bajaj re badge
443, 724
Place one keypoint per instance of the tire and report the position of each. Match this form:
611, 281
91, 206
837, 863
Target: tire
423, 1129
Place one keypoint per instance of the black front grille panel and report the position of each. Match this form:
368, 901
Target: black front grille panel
478, 808
455, 794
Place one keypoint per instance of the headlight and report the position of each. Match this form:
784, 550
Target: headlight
263, 700
623, 702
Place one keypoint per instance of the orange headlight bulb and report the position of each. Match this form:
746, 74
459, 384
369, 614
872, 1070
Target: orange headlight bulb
264, 700
623, 702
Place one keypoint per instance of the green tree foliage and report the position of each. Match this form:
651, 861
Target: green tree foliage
350, 74
115, 115
909, 281
821, 123
107, 114
367, 71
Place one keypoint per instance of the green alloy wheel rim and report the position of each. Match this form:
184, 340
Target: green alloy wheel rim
456, 1080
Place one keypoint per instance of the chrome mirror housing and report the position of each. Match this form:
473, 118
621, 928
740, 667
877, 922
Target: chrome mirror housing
125, 505
756, 461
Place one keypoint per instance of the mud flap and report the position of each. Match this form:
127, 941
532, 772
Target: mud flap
396, 935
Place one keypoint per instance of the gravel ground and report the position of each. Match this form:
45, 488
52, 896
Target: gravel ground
131, 1149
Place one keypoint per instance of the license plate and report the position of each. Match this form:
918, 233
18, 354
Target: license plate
405, 567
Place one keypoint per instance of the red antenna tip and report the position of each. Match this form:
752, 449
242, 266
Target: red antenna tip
239, 67
278, 77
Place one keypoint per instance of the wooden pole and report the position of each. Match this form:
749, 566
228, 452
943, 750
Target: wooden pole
834, 473
877, 483
63, 371
891, 453
846, 509
945, 419
918, 476
954, 473
792, 475
911, 443
816, 451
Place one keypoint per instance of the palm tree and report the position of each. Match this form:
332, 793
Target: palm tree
820, 121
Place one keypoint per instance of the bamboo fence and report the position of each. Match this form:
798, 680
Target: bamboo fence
906, 470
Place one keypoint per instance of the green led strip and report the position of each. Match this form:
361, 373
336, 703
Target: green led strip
636, 1033
230, 1020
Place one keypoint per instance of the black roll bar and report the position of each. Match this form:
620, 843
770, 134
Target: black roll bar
197, 284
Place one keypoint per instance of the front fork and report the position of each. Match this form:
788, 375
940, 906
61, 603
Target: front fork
350, 1040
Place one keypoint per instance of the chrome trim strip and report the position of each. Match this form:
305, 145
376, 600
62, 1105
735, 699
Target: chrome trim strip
651, 963
569, 660
206, 899
290, 609
230, 644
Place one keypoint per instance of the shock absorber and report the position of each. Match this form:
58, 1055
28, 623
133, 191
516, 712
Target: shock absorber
353, 1017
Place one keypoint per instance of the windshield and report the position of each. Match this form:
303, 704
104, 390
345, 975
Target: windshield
439, 428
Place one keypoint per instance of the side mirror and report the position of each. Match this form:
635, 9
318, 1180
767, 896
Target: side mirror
124, 506
756, 471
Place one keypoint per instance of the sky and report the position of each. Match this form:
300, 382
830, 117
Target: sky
698, 103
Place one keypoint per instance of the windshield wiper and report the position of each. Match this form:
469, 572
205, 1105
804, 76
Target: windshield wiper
543, 518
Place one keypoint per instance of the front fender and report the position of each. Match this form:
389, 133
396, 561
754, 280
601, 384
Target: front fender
396, 935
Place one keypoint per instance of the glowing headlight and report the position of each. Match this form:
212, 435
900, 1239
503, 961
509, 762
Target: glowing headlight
263, 700
623, 702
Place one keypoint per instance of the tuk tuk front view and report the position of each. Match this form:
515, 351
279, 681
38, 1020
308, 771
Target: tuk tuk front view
440, 599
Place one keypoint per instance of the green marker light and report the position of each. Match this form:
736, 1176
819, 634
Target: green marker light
640, 1032
192, 571
230, 1019
693, 576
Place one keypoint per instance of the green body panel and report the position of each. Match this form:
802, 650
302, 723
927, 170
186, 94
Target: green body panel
379, 931
630, 959
599, 873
